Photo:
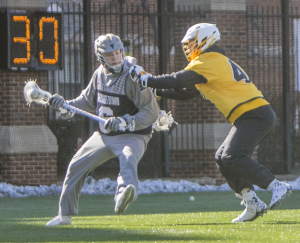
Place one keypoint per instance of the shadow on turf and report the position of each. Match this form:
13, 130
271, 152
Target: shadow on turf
229, 223
283, 222
81, 233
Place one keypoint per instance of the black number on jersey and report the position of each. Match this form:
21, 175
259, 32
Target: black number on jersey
238, 73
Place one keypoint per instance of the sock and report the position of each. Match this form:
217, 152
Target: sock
248, 194
273, 184
246, 190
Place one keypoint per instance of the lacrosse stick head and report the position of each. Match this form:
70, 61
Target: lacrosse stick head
164, 121
33, 93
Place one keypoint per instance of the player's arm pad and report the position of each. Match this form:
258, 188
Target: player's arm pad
178, 80
178, 94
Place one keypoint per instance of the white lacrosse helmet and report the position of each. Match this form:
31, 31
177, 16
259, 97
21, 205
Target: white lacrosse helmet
106, 44
198, 38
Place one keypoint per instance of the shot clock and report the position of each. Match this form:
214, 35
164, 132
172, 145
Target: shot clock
30, 40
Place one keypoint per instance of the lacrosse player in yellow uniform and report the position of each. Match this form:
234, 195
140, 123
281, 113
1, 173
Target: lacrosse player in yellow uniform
129, 117
226, 84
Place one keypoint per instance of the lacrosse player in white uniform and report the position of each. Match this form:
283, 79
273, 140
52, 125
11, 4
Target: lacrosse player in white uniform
129, 117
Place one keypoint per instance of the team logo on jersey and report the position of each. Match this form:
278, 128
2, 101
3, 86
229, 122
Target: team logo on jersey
108, 100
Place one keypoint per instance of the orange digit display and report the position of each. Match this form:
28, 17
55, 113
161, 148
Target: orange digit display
55, 35
25, 40
31, 40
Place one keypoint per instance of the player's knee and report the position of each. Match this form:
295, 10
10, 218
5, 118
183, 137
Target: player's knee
129, 161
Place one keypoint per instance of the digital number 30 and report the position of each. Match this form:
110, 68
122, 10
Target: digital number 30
26, 40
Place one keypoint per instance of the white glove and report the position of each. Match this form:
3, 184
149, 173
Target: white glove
115, 124
138, 74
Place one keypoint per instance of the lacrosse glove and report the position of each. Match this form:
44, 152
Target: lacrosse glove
123, 123
138, 75
57, 101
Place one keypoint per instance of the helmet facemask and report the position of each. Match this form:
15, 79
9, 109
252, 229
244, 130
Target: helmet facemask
198, 38
191, 49
112, 61
110, 52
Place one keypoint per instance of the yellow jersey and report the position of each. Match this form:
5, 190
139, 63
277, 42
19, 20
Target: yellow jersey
227, 86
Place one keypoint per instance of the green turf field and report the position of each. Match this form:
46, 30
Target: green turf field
152, 218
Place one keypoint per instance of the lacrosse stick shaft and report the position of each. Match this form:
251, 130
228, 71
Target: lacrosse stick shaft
83, 113
33, 94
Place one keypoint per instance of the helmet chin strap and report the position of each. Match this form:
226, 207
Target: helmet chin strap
112, 70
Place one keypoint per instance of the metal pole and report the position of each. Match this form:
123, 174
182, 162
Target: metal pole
162, 69
287, 151
161, 63
121, 2
87, 50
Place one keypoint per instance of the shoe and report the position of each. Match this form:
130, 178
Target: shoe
254, 207
279, 191
60, 220
124, 198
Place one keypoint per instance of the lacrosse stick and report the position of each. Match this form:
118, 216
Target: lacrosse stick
165, 122
33, 94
